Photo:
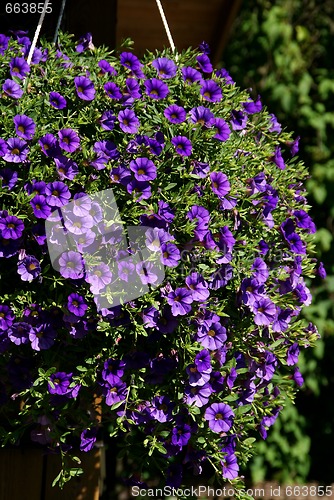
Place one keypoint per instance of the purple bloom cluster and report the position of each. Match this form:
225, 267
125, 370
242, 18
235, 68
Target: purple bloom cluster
90, 330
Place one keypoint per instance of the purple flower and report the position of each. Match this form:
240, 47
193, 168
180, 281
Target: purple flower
180, 301
84, 88
12, 89
76, 304
59, 383
220, 184
17, 150
71, 265
223, 73
113, 91
156, 89
264, 311
223, 131
42, 337
292, 354
128, 121
165, 67
251, 290
114, 390
201, 115
9, 178
40, 207
252, 107
260, 270
296, 244
85, 42
230, 467
131, 92
198, 287
7, 317
66, 168
141, 190
203, 361
298, 378
182, 145
294, 146
144, 169
161, 409
275, 126
303, 220
24, 126
191, 75
19, 67
105, 67
49, 145
220, 417
204, 63
130, 61
57, 194
98, 277
211, 335
170, 255
18, 333
28, 268
107, 120
278, 159
321, 271
3, 43
146, 272
88, 439
57, 100
238, 120
106, 149
175, 114
211, 91
11, 227
198, 395
68, 140
181, 434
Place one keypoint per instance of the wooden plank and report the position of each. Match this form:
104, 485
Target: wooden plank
84, 487
190, 22
21, 473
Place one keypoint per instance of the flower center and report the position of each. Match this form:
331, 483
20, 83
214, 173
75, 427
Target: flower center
211, 333
154, 92
55, 193
16, 70
219, 416
66, 140
21, 128
141, 171
80, 89
207, 94
75, 303
10, 226
32, 266
15, 151
125, 122
98, 273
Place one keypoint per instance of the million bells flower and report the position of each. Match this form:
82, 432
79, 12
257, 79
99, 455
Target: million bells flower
155, 255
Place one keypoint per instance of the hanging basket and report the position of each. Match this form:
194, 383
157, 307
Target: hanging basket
154, 243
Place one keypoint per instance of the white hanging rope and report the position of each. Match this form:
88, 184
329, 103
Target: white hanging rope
59, 20
165, 23
38, 29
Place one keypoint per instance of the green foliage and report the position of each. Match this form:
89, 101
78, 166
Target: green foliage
283, 51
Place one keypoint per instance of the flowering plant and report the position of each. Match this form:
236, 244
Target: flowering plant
187, 355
